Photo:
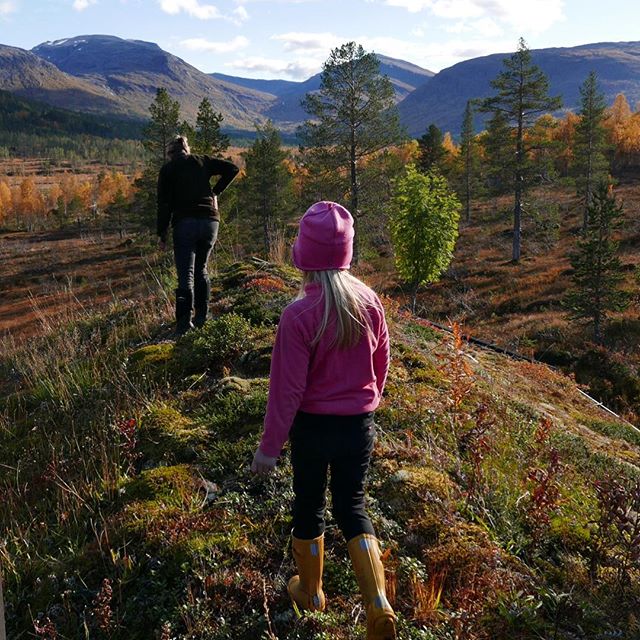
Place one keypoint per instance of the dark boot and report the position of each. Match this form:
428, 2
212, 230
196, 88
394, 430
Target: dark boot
201, 295
184, 306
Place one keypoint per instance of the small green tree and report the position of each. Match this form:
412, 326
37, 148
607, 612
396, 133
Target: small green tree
267, 187
522, 95
424, 227
431, 149
209, 138
591, 165
598, 271
354, 116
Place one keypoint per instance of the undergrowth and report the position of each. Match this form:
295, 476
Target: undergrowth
507, 506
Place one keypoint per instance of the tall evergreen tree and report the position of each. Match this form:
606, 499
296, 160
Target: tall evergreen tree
522, 95
468, 160
598, 271
209, 138
424, 227
591, 165
431, 149
354, 116
164, 125
267, 187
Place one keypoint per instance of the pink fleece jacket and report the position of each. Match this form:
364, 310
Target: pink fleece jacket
322, 379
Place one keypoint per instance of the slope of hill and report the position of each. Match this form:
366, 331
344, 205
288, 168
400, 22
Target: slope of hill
132, 70
520, 307
39, 118
128, 509
27, 75
442, 100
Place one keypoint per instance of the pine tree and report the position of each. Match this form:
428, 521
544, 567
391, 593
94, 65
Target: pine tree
522, 95
431, 149
468, 160
208, 137
163, 126
591, 165
424, 227
267, 187
598, 271
354, 116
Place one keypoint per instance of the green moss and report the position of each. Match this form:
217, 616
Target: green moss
414, 491
170, 485
168, 437
153, 361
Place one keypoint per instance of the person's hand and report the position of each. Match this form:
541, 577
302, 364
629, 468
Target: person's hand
215, 203
262, 464
162, 244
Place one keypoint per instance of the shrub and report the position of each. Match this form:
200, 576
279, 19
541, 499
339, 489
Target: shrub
216, 345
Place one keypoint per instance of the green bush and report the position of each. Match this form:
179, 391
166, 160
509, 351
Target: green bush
216, 345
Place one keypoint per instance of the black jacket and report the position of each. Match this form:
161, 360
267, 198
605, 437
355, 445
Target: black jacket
184, 188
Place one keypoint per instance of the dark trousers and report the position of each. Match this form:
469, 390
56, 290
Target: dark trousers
341, 445
193, 240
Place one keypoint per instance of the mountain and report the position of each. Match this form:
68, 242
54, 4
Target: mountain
27, 75
132, 70
404, 76
442, 100
273, 87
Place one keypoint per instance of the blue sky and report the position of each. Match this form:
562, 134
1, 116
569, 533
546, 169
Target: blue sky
291, 38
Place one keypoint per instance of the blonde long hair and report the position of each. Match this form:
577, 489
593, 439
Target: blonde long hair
342, 296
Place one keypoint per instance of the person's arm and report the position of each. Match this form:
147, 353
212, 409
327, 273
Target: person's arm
226, 170
381, 354
164, 206
288, 381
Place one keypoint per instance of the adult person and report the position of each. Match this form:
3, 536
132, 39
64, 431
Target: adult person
328, 370
188, 203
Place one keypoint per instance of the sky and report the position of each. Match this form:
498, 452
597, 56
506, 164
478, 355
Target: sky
290, 39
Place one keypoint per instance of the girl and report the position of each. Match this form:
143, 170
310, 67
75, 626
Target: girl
329, 366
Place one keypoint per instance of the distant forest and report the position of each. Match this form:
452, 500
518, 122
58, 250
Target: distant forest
29, 128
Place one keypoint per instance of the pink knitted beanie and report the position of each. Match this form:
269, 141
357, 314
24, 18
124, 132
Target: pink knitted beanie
325, 238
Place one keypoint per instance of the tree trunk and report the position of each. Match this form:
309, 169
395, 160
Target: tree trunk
517, 208
354, 199
3, 633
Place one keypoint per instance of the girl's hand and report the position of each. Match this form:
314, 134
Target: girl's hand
262, 464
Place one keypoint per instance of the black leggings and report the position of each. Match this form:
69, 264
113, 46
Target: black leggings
343, 444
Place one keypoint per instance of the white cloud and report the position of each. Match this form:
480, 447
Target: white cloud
191, 7
484, 27
533, 16
300, 69
7, 7
240, 14
81, 5
201, 44
304, 41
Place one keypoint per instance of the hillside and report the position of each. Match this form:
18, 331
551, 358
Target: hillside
129, 511
442, 100
132, 70
520, 307
27, 75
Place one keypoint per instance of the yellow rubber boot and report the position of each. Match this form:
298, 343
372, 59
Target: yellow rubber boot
305, 589
365, 556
